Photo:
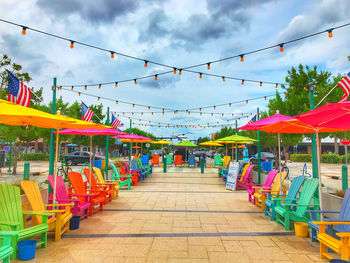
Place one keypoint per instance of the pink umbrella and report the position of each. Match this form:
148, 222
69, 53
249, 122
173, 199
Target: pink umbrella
90, 133
132, 137
257, 125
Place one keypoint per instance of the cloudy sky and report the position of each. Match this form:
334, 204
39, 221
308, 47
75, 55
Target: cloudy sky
178, 33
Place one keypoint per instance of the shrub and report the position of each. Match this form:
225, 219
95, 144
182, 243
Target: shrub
34, 157
301, 158
343, 158
331, 158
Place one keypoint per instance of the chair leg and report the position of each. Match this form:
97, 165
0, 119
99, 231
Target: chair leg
43, 239
273, 214
323, 250
58, 226
6, 260
345, 248
313, 235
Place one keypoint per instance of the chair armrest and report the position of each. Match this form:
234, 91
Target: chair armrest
39, 213
312, 205
8, 233
277, 195
263, 187
71, 200
82, 195
322, 212
58, 205
285, 199
343, 234
327, 223
2, 223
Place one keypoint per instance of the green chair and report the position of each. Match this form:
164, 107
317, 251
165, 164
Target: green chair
169, 160
284, 207
5, 249
140, 164
116, 176
218, 161
11, 218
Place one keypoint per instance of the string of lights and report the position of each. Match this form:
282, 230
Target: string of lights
176, 69
188, 112
169, 109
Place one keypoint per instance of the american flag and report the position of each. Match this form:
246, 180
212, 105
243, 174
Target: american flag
115, 122
18, 92
252, 120
87, 113
345, 86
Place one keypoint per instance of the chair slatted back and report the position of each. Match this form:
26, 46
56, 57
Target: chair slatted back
270, 178
10, 206
32, 191
295, 188
276, 187
307, 193
344, 213
191, 160
76, 180
61, 191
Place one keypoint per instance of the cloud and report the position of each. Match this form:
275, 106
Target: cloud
156, 26
163, 81
103, 11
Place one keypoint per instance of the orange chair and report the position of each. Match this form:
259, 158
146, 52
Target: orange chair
135, 175
106, 189
155, 160
84, 195
178, 160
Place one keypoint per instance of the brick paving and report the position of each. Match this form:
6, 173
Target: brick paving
180, 217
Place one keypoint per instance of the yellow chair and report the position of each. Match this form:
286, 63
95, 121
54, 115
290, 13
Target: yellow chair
244, 172
59, 223
114, 183
261, 192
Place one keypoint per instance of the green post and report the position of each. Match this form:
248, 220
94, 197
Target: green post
313, 136
259, 148
164, 165
107, 144
344, 177
236, 144
202, 165
26, 171
52, 135
10, 159
130, 143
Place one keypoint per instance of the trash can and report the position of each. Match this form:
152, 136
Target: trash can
26, 249
98, 164
266, 166
2, 159
74, 223
301, 229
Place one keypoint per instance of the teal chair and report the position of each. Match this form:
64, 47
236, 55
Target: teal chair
116, 176
169, 160
218, 161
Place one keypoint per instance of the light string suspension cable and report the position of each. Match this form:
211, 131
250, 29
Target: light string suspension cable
175, 69
169, 109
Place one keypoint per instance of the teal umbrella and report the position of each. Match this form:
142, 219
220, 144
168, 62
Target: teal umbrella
186, 144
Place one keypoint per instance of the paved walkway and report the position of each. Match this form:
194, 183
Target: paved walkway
180, 217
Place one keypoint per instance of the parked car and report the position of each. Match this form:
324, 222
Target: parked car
80, 158
157, 152
265, 157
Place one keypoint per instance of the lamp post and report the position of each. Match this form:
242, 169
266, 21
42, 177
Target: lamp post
312, 87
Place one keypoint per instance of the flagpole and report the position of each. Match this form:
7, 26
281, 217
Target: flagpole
326, 95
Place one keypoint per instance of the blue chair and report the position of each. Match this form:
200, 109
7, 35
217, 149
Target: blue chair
344, 215
145, 159
191, 160
134, 167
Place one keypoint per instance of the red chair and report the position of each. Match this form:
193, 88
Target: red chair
124, 170
155, 160
178, 160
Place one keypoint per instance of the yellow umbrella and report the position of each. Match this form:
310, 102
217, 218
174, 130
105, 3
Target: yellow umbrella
210, 143
162, 142
14, 114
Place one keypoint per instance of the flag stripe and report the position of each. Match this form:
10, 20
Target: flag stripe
344, 84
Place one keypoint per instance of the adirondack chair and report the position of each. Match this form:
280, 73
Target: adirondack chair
244, 171
145, 159
227, 160
260, 194
125, 170
267, 185
294, 189
106, 190
62, 197
247, 180
79, 189
148, 167
155, 160
58, 223
6, 249
217, 161
344, 215
126, 180
135, 168
11, 218
224, 169
191, 160
284, 212
114, 184
169, 160
178, 160
141, 167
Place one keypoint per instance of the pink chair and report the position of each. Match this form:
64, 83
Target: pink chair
269, 180
248, 178
62, 197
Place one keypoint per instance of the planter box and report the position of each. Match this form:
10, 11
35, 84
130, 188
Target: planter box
331, 202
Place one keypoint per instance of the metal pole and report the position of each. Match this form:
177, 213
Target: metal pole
52, 136
107, 145
236, 143
279, 160
259, 149
130, 144
55, 168
10, 159
318, 152
90, 161
313, 136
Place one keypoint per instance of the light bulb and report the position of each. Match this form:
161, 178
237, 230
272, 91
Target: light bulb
223, 79
330, 33
72, 88
229, 105
208, 66
155, 77
99, 86
276, 85
174, 70
260, 84
200, 75
145, 63
242, 58
116, 102
24, 31
79, 93
246, 102
116, 84
85, 88
71, 44
180, 71
242, 81
112, 55
281, 47
135, 81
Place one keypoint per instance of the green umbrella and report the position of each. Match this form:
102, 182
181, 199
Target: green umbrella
235, 139
186, 144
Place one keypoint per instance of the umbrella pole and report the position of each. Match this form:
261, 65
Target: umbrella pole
55, 169
232, 152
226, 148
90, 160
318, 150
279, 160
236, 152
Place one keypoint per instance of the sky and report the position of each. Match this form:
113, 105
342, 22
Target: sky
178, 33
